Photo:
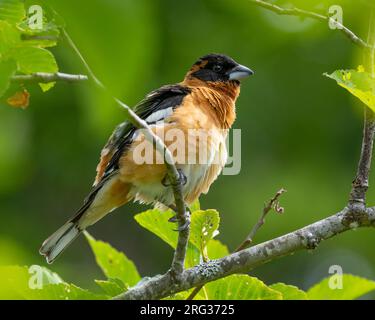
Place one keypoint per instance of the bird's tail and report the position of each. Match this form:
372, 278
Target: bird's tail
99, 202
59, 241
53, 246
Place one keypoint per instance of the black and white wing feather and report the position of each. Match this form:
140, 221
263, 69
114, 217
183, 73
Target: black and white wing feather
157, 106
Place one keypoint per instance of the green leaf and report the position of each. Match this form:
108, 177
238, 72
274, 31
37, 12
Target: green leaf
358, 83
62, 291
193, 256
113, 263
10, 37
157, 222
45, 37
14, 281
216, 249
112, 287
39, 283
12, 10
353, 287
289, 292
195, 206
31, 60
204, 226
240, 287
46, 86
7, 69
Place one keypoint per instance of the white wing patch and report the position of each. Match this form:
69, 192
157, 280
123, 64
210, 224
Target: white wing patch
159, 115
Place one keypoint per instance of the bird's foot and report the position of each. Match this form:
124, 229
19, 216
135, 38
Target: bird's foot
173, 219
186, 225
186, 218
182, 179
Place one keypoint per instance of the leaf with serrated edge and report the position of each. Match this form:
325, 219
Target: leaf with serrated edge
17, 283
216, 249
31, 60
113, 263
240, 287
112, 287
157, 222
353, 287
204, 226
358, 83
289, 292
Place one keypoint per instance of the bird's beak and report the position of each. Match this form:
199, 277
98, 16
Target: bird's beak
240, 72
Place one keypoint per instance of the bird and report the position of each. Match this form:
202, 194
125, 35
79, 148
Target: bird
203, 102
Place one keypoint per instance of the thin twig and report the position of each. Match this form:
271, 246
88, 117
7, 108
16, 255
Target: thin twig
361, 181
173, 175
313, 15
272, 204
248, 259
44, 77
195, 292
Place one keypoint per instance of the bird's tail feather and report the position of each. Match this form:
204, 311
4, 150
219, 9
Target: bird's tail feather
84, 217
59, 241
53, 246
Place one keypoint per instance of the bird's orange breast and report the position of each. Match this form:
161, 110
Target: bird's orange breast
196, 137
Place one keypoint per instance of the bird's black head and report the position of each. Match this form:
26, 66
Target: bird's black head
218, 67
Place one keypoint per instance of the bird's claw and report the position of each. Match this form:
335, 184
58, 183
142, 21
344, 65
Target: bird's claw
173, 219
165, 181
186, 224
182, 179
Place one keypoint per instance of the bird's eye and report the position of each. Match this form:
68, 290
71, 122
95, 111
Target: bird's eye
217, 68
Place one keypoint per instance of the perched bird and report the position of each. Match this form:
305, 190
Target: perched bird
203, 102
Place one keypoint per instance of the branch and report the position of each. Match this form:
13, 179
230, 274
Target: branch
173, 174
248, 259
313, 15
361, 181
272, 204
44, 77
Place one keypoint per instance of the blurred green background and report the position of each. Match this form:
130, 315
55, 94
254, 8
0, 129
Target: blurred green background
300, 131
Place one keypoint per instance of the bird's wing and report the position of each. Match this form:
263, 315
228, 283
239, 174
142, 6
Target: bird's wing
120, 138
156, 106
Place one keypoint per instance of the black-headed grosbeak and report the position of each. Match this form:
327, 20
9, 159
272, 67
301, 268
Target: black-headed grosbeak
205, 102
